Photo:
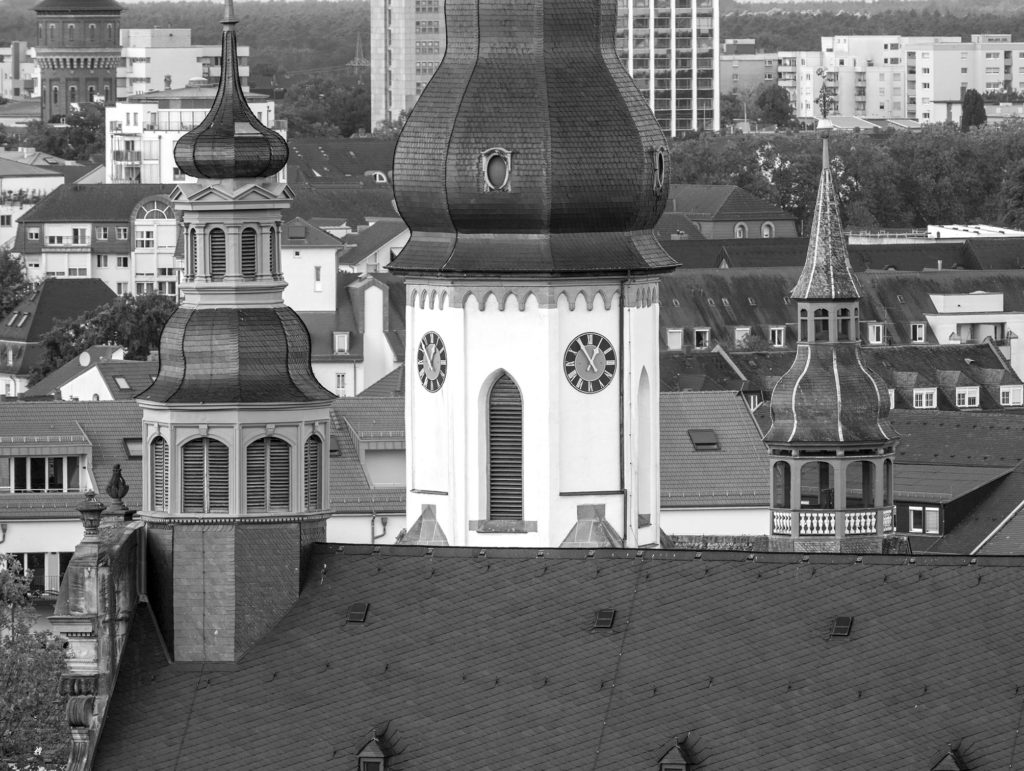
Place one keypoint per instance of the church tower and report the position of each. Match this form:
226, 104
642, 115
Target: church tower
235, 425
530, 175
78, 48
831, 443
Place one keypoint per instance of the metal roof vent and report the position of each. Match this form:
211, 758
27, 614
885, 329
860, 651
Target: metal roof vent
840, 626
604, 618
357, 612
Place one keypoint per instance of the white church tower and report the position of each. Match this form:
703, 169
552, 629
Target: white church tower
530, 174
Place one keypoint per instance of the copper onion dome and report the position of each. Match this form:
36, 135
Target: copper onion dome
230, 143
531, 149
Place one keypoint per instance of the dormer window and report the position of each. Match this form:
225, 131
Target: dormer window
341, 342
496, 168
917, 333
967, 397
924, 398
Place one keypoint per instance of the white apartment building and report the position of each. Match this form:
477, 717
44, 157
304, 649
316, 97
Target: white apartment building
143, 129
21, 187
17, 71
163, 59
670, 47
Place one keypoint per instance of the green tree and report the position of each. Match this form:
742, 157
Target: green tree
132, 321
730, 108
32, 723
972, 110
773, 105
13, 283
79, 138
1013, 197
327, 107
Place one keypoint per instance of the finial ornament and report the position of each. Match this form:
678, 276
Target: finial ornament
229, 12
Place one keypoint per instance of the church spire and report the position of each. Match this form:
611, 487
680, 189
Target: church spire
230, 143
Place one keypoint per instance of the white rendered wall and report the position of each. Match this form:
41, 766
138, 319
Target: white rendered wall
726, 521
88, 386
42, 536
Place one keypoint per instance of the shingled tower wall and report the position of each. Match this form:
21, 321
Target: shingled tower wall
236, 425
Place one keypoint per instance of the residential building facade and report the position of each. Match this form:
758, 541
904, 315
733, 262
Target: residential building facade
21, 186
165, 59
17, 71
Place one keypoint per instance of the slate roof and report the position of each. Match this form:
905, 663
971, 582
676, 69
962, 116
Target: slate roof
138, 374
103, 425
911, 256
314, 202
325, 161
734, 475
351, 490
91, 203
69, 371
299, 232
697, 371
737, 252
392, 384
77, 6
959, 438
361, 245
729, 650
996, 253
723, 203
10, 168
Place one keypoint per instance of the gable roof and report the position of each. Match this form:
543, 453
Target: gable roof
737, 252
361, 245
351, 490
721, 203
959, 438
392, 384
311, 203
11, 168
727, 476
299, 232
50, 384
728, 649
138, 375
91, 203
324, 161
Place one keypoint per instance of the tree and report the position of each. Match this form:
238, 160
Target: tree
79, 138
972, 110
327, 107
1013, 197
731, 108
391, 128
132, 321
773, 105
32, 723
13, 283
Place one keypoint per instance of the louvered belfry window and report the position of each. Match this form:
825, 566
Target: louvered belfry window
158, 458
275, 257
505, 450
313, 460
218, 254
193, 253
267, 475
204, 476
249, 253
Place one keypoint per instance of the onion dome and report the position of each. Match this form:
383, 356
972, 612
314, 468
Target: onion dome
235, 356
828, 396
826, 274
230, 143
531, 150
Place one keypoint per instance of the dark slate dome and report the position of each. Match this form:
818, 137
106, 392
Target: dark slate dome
828, 396
230, 143
235, 355
531, 149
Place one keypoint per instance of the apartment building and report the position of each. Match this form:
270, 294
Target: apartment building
143, 129
669, 47
162, 59
17, 71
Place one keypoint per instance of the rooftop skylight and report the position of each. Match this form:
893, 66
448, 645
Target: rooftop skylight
840, 626
357, 612
704, 439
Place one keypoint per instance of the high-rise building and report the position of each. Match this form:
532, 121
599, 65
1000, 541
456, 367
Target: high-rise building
670, 47
162, 59
77, 53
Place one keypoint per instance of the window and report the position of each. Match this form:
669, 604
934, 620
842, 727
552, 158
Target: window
249, 253
703, 439
505, 450
58, 474
218, 254
204, 476
122, 287
122, 261
917, 333
876, 334
54, 240
79, 235
312, 463
892, 398
78, 272
33, 234
674, 339
924, 519
1011, 396
144, 239
159, 467
741, 334
339, 383
318, 285
967, 396
341, 342
740, 231
778, 337
5, 220
101, 260
924, 398
702, 338
145, 287
267, 474
767, 230
121, 233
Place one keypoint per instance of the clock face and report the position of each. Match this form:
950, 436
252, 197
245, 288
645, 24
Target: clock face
589, 362
432, 361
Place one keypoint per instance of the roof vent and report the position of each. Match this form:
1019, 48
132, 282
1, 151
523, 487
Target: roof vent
951, 761
357, 612
604, 618
840, 626
703, 439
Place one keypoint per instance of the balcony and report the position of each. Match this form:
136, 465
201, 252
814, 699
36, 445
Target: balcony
126, 156
812, 522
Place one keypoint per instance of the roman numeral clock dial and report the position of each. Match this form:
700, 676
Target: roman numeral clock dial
432, 361
589, 363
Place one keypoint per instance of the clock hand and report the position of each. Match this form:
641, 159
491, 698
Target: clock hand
590, 359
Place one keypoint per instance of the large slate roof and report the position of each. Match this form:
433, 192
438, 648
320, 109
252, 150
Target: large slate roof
49, 385
721, 203
728, 651
91, 203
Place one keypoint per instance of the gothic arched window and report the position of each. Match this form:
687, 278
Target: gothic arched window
505, 450
267, 474
204, 476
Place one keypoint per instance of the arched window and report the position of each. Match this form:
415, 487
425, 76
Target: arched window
71, 33
821, 324
56, 94
249, 253
312, 463
92, 93
110, 33
505, 450
267, 474
154, 210
72, 93
106, 94
740, 230
218, 254
158, 477
803, 325
193, 252
844, 323
204, 476
51, 33
90, 33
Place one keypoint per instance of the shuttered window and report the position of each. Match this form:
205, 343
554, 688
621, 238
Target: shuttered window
193, 253
204, 476
267, 475
158, 460
275, 258
218, 254
505, 450
313, 461
249, 253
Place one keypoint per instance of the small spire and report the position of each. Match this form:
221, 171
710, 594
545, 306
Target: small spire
229, 13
